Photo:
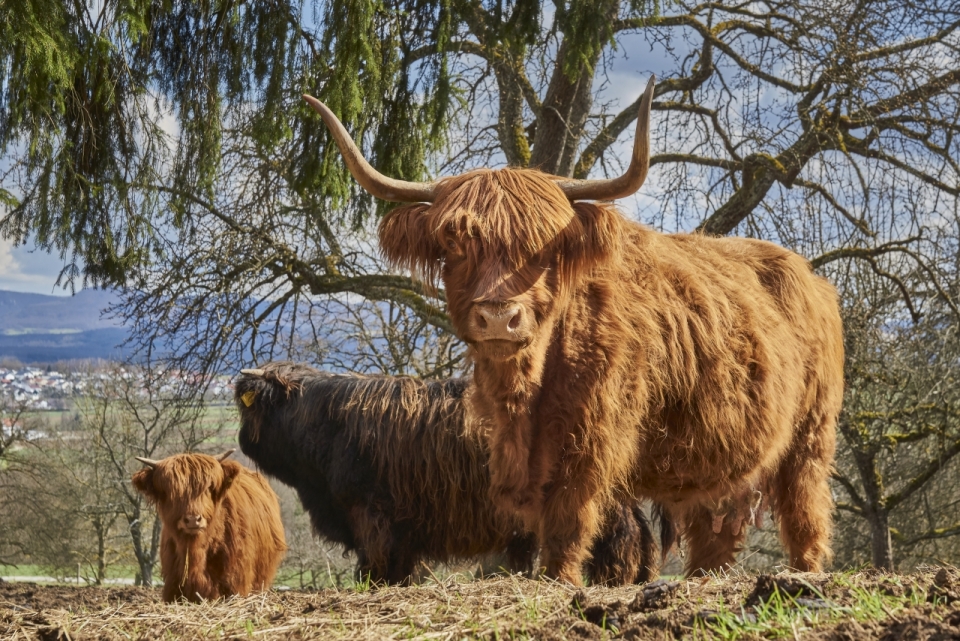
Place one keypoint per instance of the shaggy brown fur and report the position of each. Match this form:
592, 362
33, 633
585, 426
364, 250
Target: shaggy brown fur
691, 370
239, 543
390, 468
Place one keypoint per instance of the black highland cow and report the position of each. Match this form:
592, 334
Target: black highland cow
389, 468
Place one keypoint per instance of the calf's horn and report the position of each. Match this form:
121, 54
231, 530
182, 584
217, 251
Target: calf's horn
636, 174
253, 372
149, 462
373, 181
226, 454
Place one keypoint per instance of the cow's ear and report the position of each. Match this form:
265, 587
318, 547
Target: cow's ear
593, 237
143, 482
230, 471
407, 240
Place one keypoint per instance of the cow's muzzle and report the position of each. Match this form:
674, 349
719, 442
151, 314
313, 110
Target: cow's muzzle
500, 329
193, 523
498, 322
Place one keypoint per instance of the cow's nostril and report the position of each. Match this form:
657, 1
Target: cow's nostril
515, 321
481, 321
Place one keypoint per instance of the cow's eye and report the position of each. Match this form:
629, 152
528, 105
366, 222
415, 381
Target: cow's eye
453, 246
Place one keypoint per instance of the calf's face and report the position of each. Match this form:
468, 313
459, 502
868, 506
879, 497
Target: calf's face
508, 247
187, 489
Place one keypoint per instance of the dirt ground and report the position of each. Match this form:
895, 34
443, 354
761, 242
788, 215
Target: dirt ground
841, 606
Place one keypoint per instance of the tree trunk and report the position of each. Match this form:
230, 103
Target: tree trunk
510, 131
565, 109
154, 551
145, 556
101, 549
874, 505
561, 120
881, 540
577, 118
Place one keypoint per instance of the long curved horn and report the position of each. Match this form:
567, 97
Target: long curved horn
149, 462
253, 372
384, 188
632, 180
225, 455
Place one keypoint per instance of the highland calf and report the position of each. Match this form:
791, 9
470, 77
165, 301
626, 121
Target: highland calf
389, 468
703, 373
221, 531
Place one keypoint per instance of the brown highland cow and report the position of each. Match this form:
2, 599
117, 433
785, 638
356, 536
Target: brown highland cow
221, 533
390, 468
703, 373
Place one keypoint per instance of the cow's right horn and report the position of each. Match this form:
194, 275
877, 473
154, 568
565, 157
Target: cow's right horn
149, 462
384, 188
636, 174
253, 372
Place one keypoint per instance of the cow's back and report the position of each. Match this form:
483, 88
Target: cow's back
737, 340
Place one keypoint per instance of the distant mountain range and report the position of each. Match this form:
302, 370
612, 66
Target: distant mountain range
39, 328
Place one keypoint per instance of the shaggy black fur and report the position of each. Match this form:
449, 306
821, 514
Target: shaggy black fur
624, 548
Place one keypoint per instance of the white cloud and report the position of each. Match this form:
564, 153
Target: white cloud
8, 263
16, 276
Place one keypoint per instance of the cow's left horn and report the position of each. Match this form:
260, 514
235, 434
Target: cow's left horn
384, 188
149, 462
253, 372
636, 174
226, 455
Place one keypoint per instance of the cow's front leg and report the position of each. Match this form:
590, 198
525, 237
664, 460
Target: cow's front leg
374, 541
198, 586
569, 522
171, 591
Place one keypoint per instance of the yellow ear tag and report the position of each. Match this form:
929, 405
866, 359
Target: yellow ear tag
248, 397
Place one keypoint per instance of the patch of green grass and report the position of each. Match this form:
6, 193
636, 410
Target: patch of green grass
784, 616
53, 418
86, 573
364, 584
872, 605
530, 606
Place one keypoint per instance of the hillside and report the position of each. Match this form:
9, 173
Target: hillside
40, 328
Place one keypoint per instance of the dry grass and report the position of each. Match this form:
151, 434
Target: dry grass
867, 605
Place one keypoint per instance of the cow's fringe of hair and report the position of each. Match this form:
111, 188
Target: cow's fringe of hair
518, 213
189, 475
